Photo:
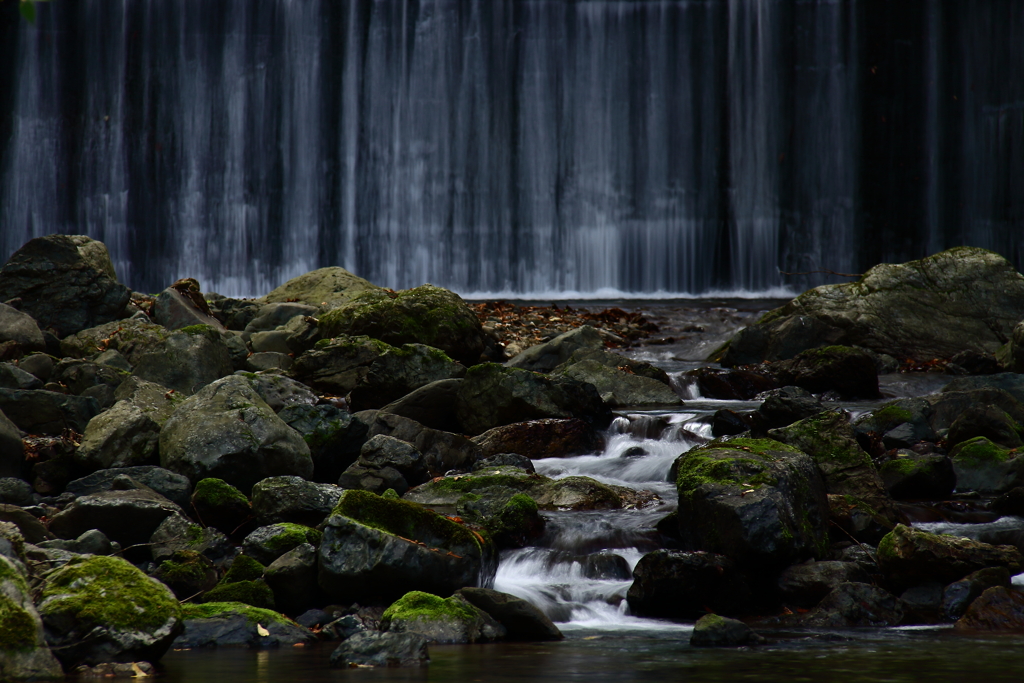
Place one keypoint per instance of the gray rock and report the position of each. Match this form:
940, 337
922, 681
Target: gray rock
114, 359
293, 499
1015, 349
227, 431
380, 460
912, 475
782, 407
432, 405
333, 435
493, 395
959, 595
66, 282
267, 543
338, 366
850, 372
12, 449
805, 585
174, 311
231, 624
988, 421
274, 315
177, 533
911, 556
778, 338
713, 630
13, 377
505, 460
549, 355
619, 388
186, 361
14, 491
271, 341
20, 328
376, 649
442, 451
292, 577
24, 654
38, 364
326, 288
857, 604
127, 517
47, 412
401, 370
92, 542
537, 439
983, 466
1010, 382
280, 392
439, 620
170, 485
126, 435
684, 585
268, 362
131, 338
522, 621
28, 526
997, 609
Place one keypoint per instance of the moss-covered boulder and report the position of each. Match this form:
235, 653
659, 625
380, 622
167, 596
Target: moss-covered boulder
988, 421
847, 371
986, 467
255, 593
400, 371
493, 395
187, 573
219, 504
227, 624
963, 298
24, 654
338, 365
228, 432
270, 542
187, 360
102, 609
515, 523
846, 468
379, 549
442, 451
334, 437
757, 501
536, 439
441, 620
325, 287
130, 337
178, 533
547, 356
619, 385
714, 630
385, 463
910, 556
909, 475
422, 315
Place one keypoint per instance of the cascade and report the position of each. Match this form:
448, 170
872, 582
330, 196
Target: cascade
507, 147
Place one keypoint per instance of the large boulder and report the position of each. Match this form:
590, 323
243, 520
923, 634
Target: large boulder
805, 584
432, 405
910, 475
1010, 382
66, 282
402, 370
909, 556
280, 392
958, 596
21, 329
338, 365
24, 654
183, 305
985, 467
758, 501
385, 463
441, 620
684, 585
102, 609
492, 395
293, 499
963, 298
292, 578
522, 621
333, 435
47, 412
549, 355
847, 371
375, 649
227, 431
174, 487
131, 338
375, 549
713, 630
225, 624
423, 315
999, 608
267, 543
128, 516
442, 451
326, 287
546, 438
187, 360
618, 387
88, 378
857, 604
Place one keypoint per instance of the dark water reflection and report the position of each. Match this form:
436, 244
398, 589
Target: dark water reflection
592, 657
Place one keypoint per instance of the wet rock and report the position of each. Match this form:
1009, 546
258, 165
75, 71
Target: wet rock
1010, 503
131, 338
175, 310
619, 387
923, 602
493, 396
421, 315
273, 316
223, 624
857, 604
221, 505
432, 405
339, 365
267, 543
513, 523
47, 412
187, 573
521, 620
228, 432
177, 533
549, 355
806, 584
997, 609
909, 556
969, 362
333, 435
684, 585
39, 365
385, 463
442, 451
292, 578
441, 620
985, 421
128, 517
379, 549
758, 501
326, 287
776, 338
92, 542
29, 527
713, 630
174, 487
911, 475
849, 372
616, 361
24, 654
14, 491
187, 360
280, 392
13, 377
401, 370
374, 649
1010, 382
505, 460
958, 596
66, 282
536, 439
20, 328
983, 466
293, 499
102, 609
787, 405
115, 670
730, 385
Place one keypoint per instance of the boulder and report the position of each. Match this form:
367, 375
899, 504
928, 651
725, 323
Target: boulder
910, 475
187, 573
280, 392
102, 609
375, 549
128, 516
338, 365
47, 412
712, 630
13, 377
522, 621
12, 448
221, 505
958, 596
292, 578
66, 282
854, 604
188, 360
273, 316
39, 364
512, 523
333, 435
985, 467
267, 543
729, 384
385, 463
758, 501
174, 487
375, 649
293, 499
14, 491
432, 405
985, 421
806, 584
175, 310
673, 584
549, 355
1013, 352
997, 609
909, 556
24, 654
442, 451
400, 371
783, 407
963, 298
228, 432
1010, 382
29, 527
131, 338
618, 387
847, 371
177, 533
225, 624
505, 460
492, 396
20, 328
423, 315
326, 287
441, 620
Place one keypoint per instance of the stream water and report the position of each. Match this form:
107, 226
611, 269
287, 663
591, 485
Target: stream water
580, 570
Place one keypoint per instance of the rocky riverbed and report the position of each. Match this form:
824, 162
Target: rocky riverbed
336, 461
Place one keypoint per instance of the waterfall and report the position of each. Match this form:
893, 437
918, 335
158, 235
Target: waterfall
531, 147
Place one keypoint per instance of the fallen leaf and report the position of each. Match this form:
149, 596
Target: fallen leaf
262, 631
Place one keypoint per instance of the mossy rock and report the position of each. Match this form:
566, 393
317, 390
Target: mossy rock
912, 475
221, 624
256, 593
911, 556
440, 620
219, 504
986, 467
24, 654
243, 568
187, 573
423, 315
325, 287
268, 543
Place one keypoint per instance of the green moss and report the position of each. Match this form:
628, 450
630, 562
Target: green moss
292, 536
468, 483
696, 469
762, 447
980, 451
891, 415
17, 627
322, 344
887, 546
243, 568
194, 534
390, 494
517, 514
213, 493
255, 593
185, 566
418, 605
402, 518
255, 615
8, 572
711, 621
107, 591
200, 330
